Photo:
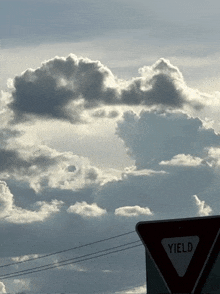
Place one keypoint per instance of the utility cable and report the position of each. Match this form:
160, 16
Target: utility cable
66, 260
69, 261
65, 250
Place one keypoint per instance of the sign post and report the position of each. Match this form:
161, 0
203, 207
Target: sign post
180, 254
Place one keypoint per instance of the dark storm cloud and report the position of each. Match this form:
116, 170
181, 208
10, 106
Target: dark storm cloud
63, 88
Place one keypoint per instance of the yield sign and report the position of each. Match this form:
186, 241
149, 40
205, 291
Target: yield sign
180, 251
183, 250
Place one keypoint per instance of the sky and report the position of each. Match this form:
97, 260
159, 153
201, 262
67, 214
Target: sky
109, 116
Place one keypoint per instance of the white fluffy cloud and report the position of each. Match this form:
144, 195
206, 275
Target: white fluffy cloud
213, 156
24, 216
42, 167
5, 113
14, 214
24, 257
86, 210
130, 211
6, 200
2, 288
203, 208
183, 160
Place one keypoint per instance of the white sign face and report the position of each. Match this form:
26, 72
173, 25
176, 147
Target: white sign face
180, 251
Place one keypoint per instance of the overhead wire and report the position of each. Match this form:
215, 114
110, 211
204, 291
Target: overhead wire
66, 250
70, 261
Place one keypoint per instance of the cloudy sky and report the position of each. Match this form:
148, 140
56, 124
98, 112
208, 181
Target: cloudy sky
109, 116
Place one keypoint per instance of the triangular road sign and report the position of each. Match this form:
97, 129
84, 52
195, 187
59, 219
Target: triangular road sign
180, 251
183, 250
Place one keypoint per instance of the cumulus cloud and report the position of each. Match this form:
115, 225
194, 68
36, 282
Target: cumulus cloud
130, 211
6, 200
14, 214
160, 84
24, 257
183, 160
42, 167
5, 113
180, 142
21, 216
62, 88
160, 143
213, 156
86, 210
2, 288
152, 138
203, 208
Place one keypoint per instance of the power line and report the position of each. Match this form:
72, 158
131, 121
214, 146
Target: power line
65, 250
13, 276
67, 262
